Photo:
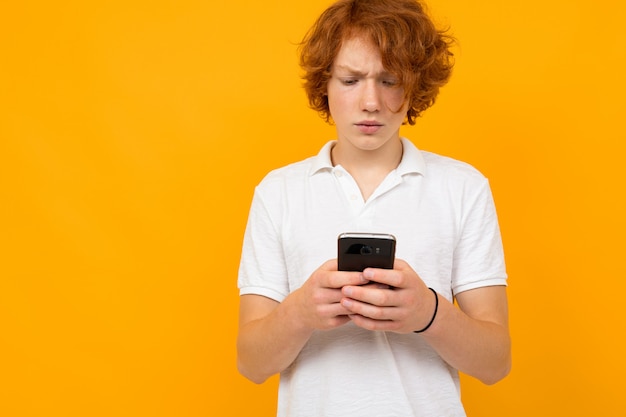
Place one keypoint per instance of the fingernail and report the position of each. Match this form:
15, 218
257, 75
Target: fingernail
347, 291
368, 274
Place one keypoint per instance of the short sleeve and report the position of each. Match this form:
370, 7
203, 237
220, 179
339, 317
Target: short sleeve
262, 269
479, 255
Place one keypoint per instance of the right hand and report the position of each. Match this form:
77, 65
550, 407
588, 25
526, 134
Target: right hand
319, 298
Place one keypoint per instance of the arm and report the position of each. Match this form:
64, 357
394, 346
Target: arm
272, 334
269, 338
473, 338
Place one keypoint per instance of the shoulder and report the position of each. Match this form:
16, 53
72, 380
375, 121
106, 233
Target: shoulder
444, 167
298, 169
300, 173
287, 175
288, 184
435, 168
456, 179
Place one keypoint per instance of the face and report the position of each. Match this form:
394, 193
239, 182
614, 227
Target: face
366, 102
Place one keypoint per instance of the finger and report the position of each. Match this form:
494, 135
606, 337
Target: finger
330, 265
377, 294
401, 276
333, 310
339, 279
390, 277
400, 264
376, 285
324, 295
369, 310
375, 325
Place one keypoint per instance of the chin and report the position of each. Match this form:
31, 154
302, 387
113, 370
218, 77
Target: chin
370, 143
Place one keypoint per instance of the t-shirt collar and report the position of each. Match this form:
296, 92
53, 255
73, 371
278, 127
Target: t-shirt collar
412, 161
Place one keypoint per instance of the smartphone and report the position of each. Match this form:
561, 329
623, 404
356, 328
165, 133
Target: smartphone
357, 251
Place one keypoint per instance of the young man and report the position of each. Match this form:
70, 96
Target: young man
381, 342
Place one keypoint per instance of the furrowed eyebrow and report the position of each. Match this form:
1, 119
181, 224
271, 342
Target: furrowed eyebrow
352, 71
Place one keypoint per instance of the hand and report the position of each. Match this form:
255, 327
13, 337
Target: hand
319, 299
401, 302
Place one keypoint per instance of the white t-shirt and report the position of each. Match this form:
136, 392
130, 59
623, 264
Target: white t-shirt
442, 214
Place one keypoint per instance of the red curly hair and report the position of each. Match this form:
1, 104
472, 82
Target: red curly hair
412, 49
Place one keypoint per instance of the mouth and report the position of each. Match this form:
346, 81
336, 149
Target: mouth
368, 126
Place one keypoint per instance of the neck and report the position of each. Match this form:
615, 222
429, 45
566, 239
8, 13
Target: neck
384, 159
368, 167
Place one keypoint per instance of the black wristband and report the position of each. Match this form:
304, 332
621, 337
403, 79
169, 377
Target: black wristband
434, 314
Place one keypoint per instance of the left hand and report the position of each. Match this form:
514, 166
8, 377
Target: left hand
399, 301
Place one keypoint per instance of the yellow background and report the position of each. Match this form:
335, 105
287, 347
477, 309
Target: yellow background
133, 132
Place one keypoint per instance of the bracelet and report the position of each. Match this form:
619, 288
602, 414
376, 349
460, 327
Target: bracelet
434, 314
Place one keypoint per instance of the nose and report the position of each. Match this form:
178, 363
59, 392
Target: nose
370, 97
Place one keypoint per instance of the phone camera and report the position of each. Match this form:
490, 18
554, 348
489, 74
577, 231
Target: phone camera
366, 250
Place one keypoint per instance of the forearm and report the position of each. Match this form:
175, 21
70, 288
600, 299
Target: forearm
480, 348
269, 344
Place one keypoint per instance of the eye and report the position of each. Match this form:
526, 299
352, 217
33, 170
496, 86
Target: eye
390, 82
348, 81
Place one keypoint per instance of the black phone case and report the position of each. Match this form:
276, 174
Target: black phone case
356, 253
